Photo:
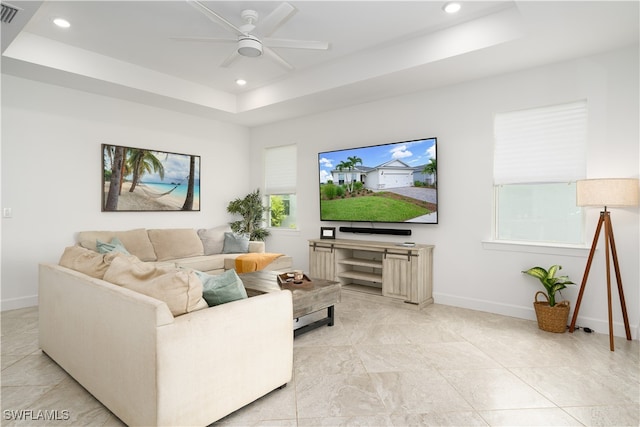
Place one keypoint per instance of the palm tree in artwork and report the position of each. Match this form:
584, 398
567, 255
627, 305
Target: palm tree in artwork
188, 202
141, 162
431, 168
353, 162
126, 169
116, 156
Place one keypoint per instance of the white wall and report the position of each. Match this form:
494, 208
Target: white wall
466, 273
50, 175
51, 172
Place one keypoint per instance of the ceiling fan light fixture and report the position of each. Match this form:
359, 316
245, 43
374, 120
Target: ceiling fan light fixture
249, 46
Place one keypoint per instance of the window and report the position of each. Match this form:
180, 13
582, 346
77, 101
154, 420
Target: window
539, 154
280, 186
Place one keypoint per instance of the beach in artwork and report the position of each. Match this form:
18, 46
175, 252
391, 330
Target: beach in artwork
146, 198
160, 180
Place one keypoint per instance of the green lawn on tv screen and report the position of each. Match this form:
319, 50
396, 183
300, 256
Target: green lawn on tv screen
370, 208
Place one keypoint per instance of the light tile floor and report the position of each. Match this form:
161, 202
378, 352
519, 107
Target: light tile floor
384, 365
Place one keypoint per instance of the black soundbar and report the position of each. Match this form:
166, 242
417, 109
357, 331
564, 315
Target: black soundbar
368, 230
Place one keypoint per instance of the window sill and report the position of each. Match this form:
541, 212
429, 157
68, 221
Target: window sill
537, 248
284, 230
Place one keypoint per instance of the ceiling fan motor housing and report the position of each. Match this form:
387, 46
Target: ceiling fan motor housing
250, 46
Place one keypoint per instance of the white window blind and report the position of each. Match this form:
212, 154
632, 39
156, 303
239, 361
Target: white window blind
280, 169
541, 145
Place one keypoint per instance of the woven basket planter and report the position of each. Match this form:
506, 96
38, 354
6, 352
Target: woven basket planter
551, 319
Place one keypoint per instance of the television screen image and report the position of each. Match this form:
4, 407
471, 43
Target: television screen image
389, 183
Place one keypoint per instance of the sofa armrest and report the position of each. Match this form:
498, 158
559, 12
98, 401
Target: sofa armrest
256, 247
104, 336
215, 361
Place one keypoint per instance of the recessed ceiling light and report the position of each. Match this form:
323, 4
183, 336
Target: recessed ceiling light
451, 7
62, 23
241, 82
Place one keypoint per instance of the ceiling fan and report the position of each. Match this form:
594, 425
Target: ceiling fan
248, 44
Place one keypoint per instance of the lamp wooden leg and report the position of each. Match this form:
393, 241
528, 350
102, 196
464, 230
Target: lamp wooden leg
586, 272
607, 232
616, 266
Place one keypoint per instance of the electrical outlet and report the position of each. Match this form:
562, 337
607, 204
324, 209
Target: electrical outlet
7, 212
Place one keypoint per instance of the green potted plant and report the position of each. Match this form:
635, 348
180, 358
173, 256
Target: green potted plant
552, 316
252, 211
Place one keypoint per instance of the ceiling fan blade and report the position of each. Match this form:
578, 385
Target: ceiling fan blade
271, 54
230, 59
213, 16
204, 39
270, 23
296, 44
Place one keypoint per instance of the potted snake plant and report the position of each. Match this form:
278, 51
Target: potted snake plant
552, 316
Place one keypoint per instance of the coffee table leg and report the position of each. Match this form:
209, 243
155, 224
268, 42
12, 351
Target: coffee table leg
329, 320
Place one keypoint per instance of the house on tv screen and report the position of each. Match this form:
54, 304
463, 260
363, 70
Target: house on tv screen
392, 174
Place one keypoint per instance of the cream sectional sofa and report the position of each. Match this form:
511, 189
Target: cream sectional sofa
147, 366
201, 250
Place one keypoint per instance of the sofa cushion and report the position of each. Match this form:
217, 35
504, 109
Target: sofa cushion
202, 263
181, 290
136, 241
235, 243
221, 288
114, 246
87, 261
213, 239
174, 243
256, 246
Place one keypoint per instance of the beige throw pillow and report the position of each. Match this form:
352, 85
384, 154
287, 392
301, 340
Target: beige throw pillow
181, 290
213, 239
175, 243
87, 261
135, 241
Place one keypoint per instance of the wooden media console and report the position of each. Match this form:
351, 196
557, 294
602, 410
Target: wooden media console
391, 270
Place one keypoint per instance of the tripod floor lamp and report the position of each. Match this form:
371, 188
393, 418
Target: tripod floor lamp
606, 192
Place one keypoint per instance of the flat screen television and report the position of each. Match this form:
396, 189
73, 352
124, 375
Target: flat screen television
386, 183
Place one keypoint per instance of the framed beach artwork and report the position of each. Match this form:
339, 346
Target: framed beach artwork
137, 179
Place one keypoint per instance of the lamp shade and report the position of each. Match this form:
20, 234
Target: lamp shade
607, 192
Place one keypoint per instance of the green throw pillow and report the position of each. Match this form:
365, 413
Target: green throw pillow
114, 246
222, 288
235, 243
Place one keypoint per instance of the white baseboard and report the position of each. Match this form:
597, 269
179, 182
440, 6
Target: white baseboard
527, 312
520, 312
15, 303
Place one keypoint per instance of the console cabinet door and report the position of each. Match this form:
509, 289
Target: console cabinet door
396, 277
322, 262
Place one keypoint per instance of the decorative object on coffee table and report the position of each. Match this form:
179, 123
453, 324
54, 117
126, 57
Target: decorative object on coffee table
288, 279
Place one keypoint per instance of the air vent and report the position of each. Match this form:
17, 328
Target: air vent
8, 13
